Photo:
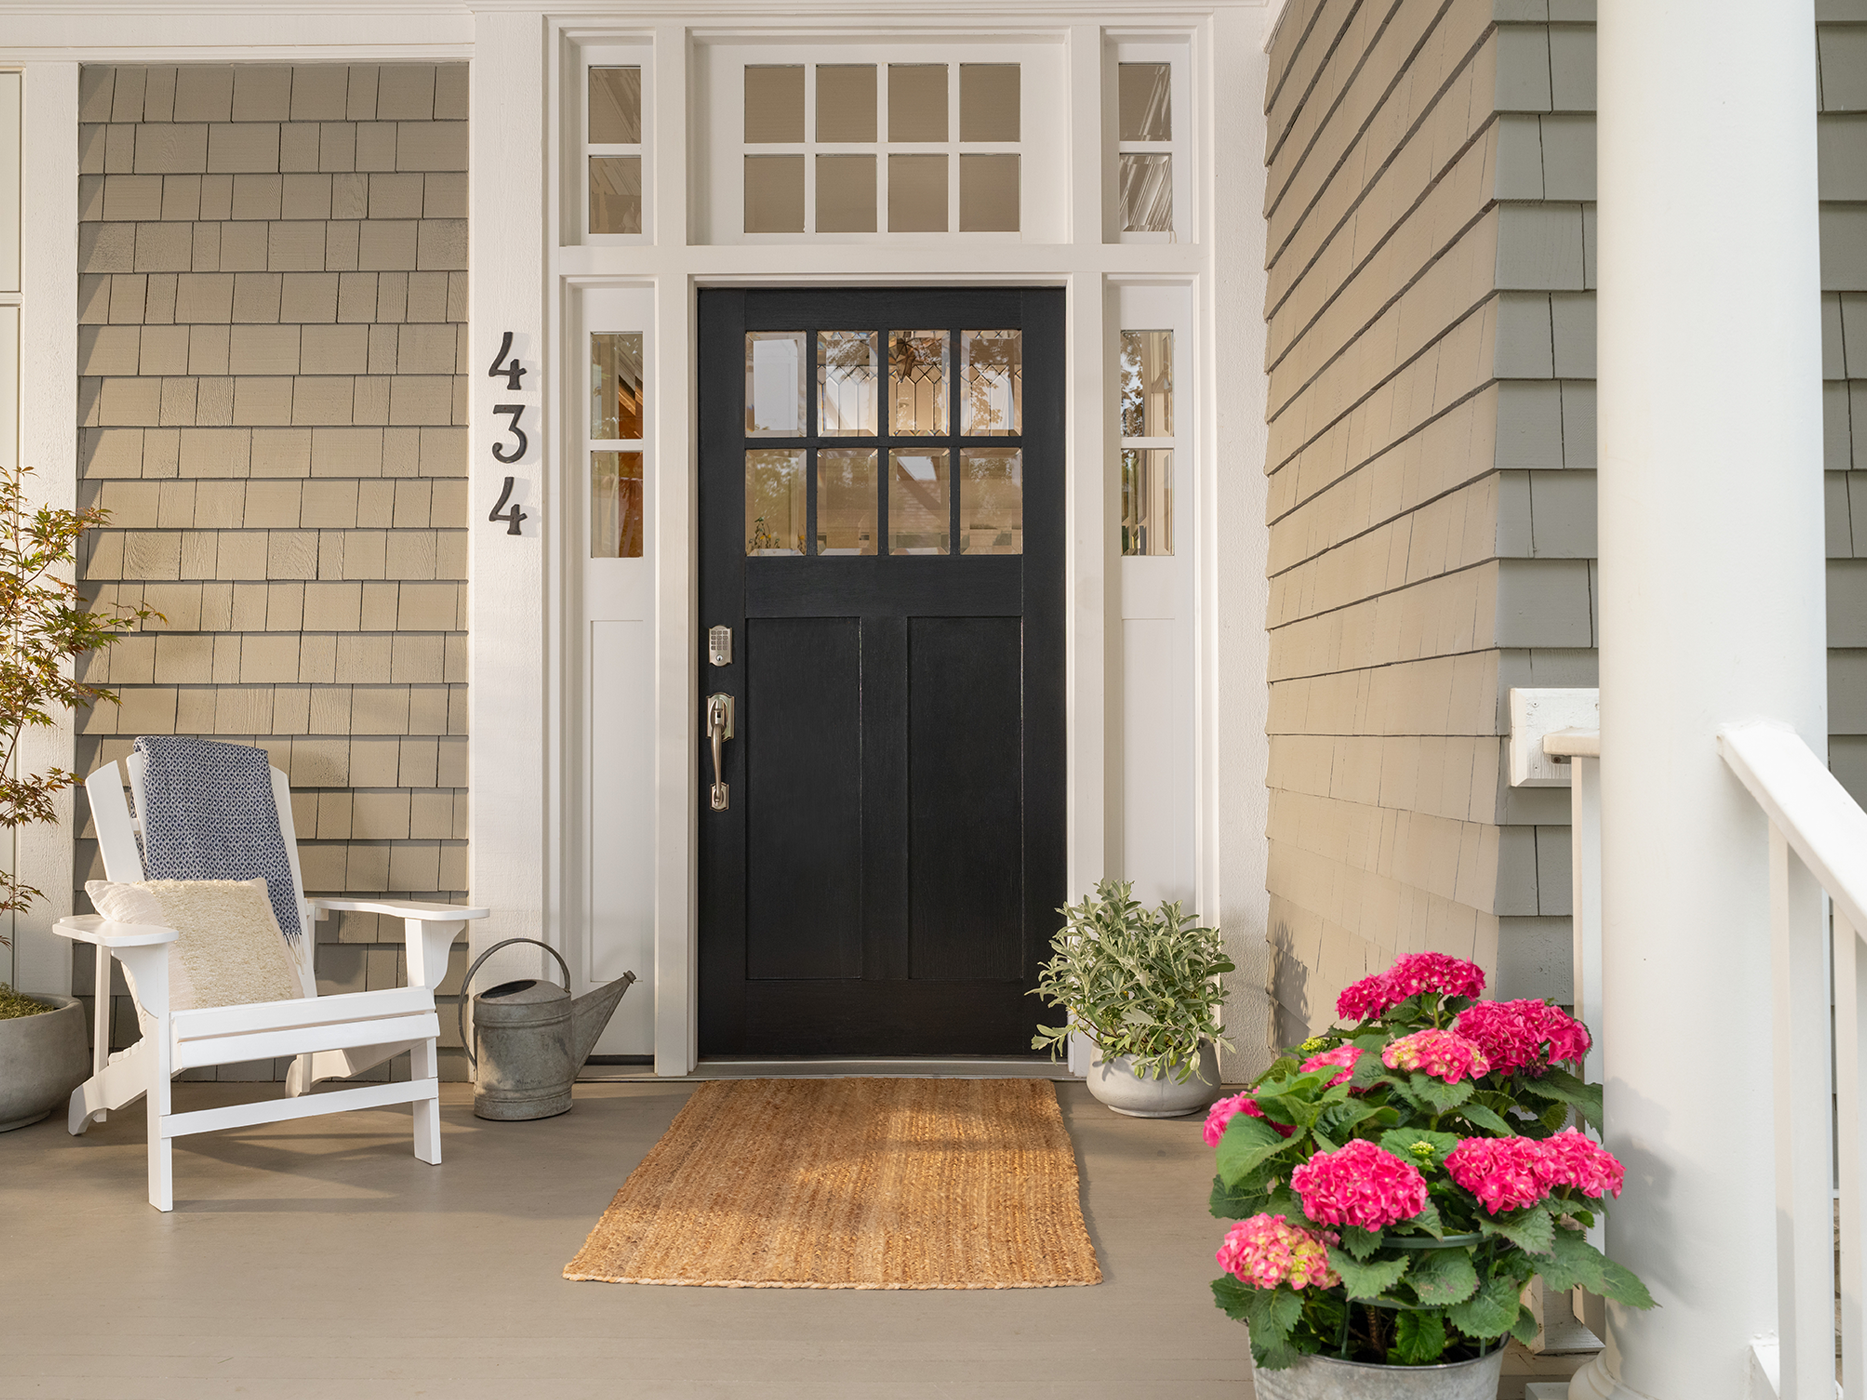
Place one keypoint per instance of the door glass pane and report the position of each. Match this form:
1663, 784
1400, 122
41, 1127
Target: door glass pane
774, 103
1147, 500
846, 495
917, 102
992, 372
988, 194
615, 106
774, 384
845, 194
615, 505
917, 194
615, 194
775, 501
616, 385
849, 374
1146, 193
919, 521
845, 101
1144, 101
774, 194
1146, 384
917, 368
988, 102
991, 500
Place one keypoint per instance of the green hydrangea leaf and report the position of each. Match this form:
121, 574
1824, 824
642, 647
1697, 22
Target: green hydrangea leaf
1435, 1094
1368, 1069
1270, 1313
1234, 1202
1402, 1141
1248, 1143
1429, 1221
1481, 1117
1575, 1263
1445, 1276
1489, 1312
1339, 1119
1370, 1279
1419, 1339
1524, 1328
1359, 1242
1533, 1230
1565, 1088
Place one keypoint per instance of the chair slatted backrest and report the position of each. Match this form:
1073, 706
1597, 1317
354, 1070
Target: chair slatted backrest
118, 828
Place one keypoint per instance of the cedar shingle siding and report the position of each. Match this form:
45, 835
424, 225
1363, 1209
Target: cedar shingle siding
272, 318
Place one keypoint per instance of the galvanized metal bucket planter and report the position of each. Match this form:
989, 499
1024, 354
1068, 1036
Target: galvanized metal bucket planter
1330, 1378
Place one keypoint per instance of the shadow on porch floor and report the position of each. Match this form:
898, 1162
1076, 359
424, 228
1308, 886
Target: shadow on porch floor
320, 1259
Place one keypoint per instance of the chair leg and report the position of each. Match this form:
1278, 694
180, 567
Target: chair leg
161, 1161
425, 1063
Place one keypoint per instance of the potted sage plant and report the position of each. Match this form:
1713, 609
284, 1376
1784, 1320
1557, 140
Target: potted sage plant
1399, 1179
1142, 985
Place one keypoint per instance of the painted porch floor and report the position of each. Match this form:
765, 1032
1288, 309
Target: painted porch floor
320, 1259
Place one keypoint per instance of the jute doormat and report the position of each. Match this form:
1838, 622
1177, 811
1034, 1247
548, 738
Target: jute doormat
852, 1183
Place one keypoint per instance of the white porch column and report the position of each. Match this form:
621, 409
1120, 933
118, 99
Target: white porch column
1711, 611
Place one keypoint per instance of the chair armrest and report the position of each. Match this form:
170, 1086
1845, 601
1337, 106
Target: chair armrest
95, 928
396, 908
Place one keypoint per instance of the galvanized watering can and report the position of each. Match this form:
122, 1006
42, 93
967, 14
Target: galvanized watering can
533, 1038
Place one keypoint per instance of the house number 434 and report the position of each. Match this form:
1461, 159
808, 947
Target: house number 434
506, 366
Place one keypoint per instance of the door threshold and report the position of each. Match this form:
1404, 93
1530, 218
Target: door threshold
841, 1067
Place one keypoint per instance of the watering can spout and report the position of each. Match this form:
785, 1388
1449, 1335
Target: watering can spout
590, 1013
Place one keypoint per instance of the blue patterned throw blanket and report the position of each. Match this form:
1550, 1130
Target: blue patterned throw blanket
208, 814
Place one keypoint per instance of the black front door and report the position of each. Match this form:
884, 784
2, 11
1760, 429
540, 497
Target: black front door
881, 532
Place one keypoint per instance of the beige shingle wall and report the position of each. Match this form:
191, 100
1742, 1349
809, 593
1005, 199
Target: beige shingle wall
1430, 333
272, 336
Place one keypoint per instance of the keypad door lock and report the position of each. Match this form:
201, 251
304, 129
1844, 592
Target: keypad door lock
720, 646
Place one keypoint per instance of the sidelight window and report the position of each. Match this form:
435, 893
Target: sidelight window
1147, 442
616, 451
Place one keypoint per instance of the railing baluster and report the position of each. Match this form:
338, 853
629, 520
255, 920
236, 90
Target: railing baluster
1805, 1230
1850, 1077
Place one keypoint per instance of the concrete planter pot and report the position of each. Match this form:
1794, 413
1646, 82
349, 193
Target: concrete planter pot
42, 1059
1326, 1378
1116, 1084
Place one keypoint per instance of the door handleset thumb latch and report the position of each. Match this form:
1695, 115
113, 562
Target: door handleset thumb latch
719, 730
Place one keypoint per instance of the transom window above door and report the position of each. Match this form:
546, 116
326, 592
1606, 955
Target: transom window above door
884, 441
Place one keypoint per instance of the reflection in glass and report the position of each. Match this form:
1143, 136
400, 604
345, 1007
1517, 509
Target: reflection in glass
775, 383
991, 500
1146, 384
616, 385
845, 101
916, 194
1146, 193
615, 194
849, 375
1144, 101
988, 102
774, 194
615, 106
846, 496
988, 194
774, 103
615, 505
917, 370
918, 518
1147, 500
917, 102
845, 194
991, 383
775, 501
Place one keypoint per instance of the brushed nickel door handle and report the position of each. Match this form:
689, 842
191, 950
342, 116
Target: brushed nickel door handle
719, 729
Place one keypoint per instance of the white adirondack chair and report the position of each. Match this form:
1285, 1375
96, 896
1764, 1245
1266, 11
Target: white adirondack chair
330, 1036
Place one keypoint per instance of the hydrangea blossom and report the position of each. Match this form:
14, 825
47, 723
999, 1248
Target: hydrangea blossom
1343, 1055
1360, 1184
1446, 1054
1572, 1159
1503, 1173
1408, 977
1516, 1034
1222, 1113
1267, 1250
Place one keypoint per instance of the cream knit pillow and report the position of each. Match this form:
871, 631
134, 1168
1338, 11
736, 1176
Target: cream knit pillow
230, 951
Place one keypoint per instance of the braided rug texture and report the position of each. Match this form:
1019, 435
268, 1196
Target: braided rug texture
852, 1183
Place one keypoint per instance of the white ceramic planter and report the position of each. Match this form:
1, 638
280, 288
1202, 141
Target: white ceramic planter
1326, 1378
42, 1059
1115, 1083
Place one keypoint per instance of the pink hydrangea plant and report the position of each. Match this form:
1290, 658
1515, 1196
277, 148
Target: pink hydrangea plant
1515, 1035
1572, 1159
1221, 1114
1446, 1054
1408, 977
1343, 1055
1503, 1173
1359, 1184
1267, 1250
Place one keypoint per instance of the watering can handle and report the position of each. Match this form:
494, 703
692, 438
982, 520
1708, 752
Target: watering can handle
466, 984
